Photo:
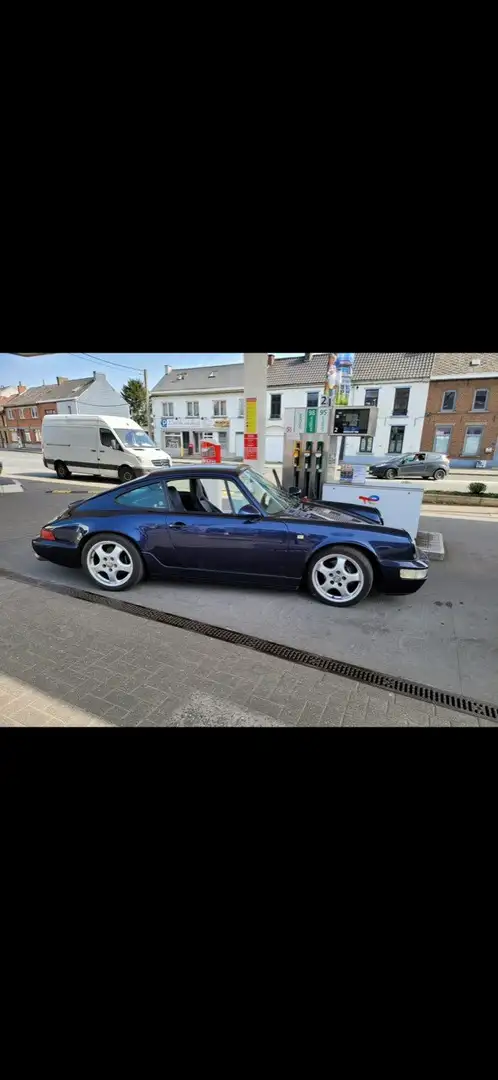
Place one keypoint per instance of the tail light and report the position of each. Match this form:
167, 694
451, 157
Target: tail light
47, 534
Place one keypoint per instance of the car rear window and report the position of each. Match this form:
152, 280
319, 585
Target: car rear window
145, 497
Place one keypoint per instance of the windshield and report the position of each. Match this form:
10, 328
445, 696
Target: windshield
270, 498
132, 437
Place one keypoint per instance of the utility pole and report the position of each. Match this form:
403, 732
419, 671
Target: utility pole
147, 403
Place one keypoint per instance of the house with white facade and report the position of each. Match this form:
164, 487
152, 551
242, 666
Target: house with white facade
196, 402
398, 385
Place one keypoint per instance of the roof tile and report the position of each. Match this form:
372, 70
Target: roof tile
36, 395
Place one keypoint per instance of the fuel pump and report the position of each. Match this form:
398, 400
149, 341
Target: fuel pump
296, 457
308, 451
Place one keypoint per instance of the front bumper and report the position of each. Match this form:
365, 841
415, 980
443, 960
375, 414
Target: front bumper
406, 577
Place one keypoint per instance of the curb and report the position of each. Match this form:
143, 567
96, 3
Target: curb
10, 487
432, 545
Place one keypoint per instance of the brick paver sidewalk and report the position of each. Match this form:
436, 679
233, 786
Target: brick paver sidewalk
64, 662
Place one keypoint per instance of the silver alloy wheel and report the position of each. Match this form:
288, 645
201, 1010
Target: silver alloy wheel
109, 563
338, 578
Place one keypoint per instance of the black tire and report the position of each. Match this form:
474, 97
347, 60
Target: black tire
352, 555
62, 471
439, 474
137, 566
391, 474
125, 474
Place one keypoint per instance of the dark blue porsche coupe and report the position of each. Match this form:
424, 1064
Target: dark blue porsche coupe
228, 524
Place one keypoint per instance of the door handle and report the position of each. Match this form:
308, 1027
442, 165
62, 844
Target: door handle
178, 525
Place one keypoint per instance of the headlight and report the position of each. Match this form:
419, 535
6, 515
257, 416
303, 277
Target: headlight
413, 575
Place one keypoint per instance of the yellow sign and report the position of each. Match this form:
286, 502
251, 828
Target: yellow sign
251, 416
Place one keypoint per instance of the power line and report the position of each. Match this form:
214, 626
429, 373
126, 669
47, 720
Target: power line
101, 360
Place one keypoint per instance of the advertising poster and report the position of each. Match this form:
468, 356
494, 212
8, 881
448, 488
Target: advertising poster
250, 447
251, 416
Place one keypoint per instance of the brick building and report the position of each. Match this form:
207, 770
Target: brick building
7, 395
462, 408
23, 414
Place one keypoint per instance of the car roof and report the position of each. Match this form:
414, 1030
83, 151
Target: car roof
199, 470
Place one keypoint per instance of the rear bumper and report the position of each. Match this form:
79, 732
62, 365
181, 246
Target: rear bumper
62, 554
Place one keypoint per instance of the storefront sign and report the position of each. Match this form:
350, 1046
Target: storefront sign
250, 447
222, 423
251, 416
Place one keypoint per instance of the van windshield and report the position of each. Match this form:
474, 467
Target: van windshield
132, 437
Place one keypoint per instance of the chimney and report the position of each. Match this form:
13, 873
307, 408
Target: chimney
61, 379
21, 389
168, 369
271, 359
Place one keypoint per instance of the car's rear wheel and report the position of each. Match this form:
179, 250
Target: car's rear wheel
391, 474
125, 474
340, 576
112, 561
62, 471
440, 474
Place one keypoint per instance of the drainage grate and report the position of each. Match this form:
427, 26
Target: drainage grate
406, 687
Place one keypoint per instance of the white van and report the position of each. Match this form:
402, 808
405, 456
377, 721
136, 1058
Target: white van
106, 445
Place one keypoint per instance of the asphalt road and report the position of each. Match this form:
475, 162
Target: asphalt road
30, 465
446, 635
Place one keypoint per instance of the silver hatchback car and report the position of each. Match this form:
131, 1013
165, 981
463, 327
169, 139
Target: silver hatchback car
427, 466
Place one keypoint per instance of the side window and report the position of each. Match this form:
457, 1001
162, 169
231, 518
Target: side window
107, 439
235, 499
145, 497
178, 496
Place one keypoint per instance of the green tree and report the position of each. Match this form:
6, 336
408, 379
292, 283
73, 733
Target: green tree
134, 394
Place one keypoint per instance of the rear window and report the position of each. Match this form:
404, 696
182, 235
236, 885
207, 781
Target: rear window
145, 497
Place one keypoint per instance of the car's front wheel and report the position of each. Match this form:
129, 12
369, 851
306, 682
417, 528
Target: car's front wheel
391, 474
439, 474
340, 576
112, 562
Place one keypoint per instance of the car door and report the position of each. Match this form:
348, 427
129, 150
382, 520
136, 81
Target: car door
110, 454
224, 542
143, 516
405, 466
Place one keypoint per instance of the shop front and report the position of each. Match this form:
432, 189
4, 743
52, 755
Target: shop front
190, 433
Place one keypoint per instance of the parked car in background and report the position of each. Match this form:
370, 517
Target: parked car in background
229, 525
427, 466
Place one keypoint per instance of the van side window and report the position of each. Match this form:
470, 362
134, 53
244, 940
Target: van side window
107, 438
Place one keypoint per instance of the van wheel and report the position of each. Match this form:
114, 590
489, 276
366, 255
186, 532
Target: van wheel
125, 474
62, 470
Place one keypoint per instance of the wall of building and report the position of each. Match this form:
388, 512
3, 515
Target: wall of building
290, 398
100, 397
463, 417
413, 422
23, 420
195, 427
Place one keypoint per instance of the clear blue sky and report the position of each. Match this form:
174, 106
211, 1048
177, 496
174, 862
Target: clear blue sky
32, 372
